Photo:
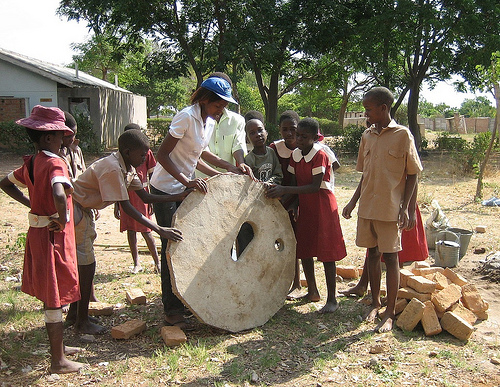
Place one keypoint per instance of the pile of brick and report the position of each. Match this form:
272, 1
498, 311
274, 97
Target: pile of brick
439, 299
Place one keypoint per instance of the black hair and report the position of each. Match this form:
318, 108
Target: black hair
70, 121
288, 115
132, 139
253, 119
201, 94
254, 115
310, 125
34, 135
381, 95
222, 75
131, 126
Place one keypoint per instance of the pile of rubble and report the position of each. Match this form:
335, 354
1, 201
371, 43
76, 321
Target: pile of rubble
439, 299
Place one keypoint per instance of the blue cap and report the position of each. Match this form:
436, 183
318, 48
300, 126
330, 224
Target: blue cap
219, 86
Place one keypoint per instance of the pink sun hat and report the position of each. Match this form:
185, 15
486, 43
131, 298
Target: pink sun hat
45, 119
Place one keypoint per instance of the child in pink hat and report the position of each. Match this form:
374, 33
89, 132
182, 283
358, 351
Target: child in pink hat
50, 270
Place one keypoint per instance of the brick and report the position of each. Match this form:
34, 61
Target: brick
472, 299
411, 315
482, 315
421, 264
399, 307
409, 293
463, 312
440, 280
481, 229
348, 272
403, 277
445, 298
421, 284
136, 296
100, 309
430, 321
454, 277
173, 336
128, 329
427, 270
456, 326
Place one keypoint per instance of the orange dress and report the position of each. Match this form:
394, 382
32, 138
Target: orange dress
126, 222
50, 271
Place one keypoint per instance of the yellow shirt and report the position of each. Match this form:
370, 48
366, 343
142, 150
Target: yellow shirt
385, 159
105, 182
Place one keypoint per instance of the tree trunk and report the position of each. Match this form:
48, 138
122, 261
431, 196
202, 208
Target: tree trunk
412, 113
272, 99
479, 187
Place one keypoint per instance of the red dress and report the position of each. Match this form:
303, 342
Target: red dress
414, 243
318, 231
50, 271
126, 222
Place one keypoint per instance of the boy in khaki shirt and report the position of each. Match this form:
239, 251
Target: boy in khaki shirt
389, 162
105, 182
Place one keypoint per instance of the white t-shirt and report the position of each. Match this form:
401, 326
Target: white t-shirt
187, 126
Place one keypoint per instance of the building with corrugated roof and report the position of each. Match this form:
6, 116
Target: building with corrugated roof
26, 82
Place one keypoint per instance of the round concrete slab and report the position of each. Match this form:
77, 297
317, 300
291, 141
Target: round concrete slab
222, 292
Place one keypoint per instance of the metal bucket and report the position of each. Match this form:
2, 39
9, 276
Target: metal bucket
464, 239
447, 251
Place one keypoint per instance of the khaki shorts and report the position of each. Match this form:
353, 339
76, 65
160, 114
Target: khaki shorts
376, 233
85, 235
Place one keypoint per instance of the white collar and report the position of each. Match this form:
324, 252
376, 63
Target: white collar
50, 154
297, 153
282, 150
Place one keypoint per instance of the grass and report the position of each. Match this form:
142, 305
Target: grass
296, 347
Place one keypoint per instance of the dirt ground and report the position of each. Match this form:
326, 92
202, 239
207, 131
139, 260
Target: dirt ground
453, 192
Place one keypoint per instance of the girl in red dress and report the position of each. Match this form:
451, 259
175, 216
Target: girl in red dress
50, 269
130, 225
318, 231
288, 126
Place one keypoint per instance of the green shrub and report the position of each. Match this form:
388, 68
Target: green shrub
450, 142
14, 138
349, 142
158, 129
89, 142
329, 127
472, 156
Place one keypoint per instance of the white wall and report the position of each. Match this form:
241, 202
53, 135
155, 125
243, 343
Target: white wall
17, 82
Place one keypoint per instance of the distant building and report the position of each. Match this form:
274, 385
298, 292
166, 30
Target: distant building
26, 82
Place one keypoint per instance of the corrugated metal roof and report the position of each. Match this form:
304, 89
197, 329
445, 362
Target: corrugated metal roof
61, 74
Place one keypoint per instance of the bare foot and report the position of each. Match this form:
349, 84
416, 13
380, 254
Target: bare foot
157, 269
385, 325
315, 297
72, 350
356, 291
90, 328
136, 269
372, 314
329, 307
65, 366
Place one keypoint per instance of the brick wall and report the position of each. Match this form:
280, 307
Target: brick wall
12, 109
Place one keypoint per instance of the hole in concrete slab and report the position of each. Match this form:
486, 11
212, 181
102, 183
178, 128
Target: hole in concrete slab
279, 245
245, 236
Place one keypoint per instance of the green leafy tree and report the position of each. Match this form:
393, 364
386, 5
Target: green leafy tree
491, 79
477, 107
